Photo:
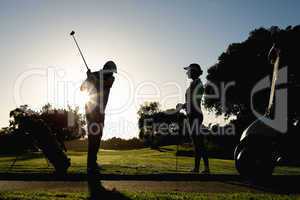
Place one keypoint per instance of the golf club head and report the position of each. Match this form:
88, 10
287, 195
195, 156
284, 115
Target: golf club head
72, 33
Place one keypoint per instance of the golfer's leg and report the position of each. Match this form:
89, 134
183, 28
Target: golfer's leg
205, 158
97, 144
197, 151
92, 151
94, 138
203, 152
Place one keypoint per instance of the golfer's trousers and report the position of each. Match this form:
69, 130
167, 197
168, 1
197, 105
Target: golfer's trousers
198, 142
95, 129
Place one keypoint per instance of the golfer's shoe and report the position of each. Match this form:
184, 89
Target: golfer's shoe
206, 171
194, 171
93, 169
62, 170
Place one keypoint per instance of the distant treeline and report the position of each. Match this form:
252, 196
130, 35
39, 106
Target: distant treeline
122, 144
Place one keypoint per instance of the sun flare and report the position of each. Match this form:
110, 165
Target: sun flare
83, 98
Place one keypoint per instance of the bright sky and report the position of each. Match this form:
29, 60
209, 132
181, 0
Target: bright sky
151, 42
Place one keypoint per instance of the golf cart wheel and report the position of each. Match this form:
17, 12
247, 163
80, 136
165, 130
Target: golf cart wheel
254, 163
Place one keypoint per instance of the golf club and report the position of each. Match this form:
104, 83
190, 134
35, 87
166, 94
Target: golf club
72, 34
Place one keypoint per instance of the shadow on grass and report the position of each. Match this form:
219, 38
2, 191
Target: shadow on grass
278, 184
97, 191
164, 149
281, 184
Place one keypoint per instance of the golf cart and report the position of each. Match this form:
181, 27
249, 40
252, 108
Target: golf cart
268, 141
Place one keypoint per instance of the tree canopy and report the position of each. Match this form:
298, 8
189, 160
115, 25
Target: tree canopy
63, 124
244, 64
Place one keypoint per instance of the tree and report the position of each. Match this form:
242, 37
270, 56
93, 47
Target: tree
244, 64
66, 124
148, 108
159, 127
18, 136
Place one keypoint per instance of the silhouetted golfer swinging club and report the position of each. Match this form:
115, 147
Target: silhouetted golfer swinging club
72, 34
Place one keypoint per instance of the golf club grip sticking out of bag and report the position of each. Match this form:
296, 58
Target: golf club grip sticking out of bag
274, 78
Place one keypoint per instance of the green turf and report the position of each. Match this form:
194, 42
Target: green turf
142, 161
143, 196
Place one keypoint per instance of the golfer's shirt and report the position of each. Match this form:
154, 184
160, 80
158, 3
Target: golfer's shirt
193, 97
98, 87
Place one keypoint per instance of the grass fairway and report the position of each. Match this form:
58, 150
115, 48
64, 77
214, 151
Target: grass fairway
143, 196
141, 161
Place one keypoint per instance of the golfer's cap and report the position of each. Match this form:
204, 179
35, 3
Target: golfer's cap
194, 66
110, 66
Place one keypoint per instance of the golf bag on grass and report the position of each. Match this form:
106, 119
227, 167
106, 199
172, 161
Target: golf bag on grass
48, 143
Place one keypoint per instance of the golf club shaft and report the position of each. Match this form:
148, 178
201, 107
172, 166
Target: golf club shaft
80, 53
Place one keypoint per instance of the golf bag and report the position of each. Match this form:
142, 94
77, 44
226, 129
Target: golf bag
48, 143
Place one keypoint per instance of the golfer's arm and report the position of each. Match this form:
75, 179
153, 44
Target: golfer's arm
90, 80
83, 86
109, 82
